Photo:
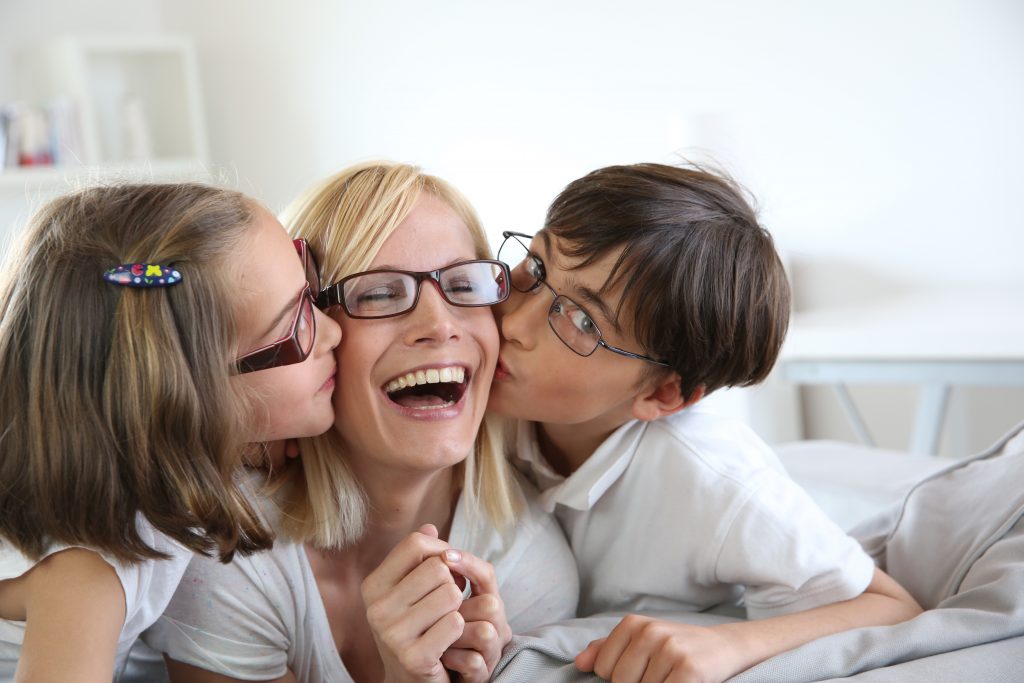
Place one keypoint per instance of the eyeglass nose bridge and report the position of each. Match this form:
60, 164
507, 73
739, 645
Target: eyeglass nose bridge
434, 276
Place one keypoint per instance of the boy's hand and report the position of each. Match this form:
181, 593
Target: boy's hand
645, 650
475, 654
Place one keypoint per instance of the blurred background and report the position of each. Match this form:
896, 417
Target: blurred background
883, 142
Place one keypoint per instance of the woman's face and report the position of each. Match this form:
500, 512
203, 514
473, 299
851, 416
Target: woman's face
430, 426
295, 400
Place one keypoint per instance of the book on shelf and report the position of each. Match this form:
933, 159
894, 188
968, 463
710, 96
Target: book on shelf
33, 136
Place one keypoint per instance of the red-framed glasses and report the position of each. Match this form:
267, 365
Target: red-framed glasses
296, 346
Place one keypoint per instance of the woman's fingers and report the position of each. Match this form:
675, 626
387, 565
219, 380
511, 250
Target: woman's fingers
422, 657
417, 584
400, 624
477, 634
479, 572
403, 559
485, 604
483, 608
469, 664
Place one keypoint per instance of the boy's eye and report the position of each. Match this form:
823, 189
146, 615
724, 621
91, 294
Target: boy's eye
533, 267
583, 322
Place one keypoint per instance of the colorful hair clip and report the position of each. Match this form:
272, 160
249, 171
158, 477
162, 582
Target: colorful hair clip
145, 275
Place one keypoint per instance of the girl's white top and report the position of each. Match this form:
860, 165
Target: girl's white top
148, 587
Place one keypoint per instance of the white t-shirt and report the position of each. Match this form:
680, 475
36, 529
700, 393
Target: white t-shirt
148, 587
691, 511
262, 615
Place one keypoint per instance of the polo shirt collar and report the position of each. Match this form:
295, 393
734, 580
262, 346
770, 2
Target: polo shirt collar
584, 487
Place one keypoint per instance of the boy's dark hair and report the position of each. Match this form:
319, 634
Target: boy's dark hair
705, 289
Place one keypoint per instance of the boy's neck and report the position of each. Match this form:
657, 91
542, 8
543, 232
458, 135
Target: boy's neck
566, 447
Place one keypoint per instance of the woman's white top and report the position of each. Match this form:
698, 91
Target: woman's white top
148, 587
262, 615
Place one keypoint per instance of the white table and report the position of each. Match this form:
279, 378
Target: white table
937, 339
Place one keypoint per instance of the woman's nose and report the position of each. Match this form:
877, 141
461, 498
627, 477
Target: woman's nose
433, 319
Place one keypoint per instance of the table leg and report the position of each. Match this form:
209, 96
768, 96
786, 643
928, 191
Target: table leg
931, 410
853, 415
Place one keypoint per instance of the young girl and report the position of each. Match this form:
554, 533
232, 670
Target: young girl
146, 333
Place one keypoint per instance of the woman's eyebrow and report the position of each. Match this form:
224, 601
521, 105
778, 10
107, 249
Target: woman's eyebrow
388, 266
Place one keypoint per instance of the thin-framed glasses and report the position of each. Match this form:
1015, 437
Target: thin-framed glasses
295, 346
568, 320
387, 293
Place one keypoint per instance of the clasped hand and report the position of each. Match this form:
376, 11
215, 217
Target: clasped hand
421, 624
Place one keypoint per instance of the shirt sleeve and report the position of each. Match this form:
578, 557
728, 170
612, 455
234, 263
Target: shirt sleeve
787, 554
223, 618
539, 582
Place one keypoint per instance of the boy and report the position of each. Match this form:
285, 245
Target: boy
650, 287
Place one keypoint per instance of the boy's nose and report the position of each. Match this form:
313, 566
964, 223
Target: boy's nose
517, 318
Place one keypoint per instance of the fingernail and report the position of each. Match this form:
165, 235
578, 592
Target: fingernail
452, 556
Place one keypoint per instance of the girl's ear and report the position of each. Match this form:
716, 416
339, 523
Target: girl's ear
664, 397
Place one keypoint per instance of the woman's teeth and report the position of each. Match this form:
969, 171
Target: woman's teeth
431, 376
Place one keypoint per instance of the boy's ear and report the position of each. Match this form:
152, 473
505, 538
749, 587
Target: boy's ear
664, 397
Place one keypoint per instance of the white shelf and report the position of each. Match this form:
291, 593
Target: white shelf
132, 98
59, 178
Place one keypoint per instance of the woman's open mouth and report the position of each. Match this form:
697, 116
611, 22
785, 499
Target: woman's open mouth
429, 388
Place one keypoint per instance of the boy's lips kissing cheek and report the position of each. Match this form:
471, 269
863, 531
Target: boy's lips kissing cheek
501, 370
430, 391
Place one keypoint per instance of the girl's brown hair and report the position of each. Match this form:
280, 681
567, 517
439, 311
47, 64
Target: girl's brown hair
116, 401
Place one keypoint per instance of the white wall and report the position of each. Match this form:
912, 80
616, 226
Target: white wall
25, 23
881, 135
883, 139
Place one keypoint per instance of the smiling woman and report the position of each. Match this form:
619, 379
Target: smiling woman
409, 547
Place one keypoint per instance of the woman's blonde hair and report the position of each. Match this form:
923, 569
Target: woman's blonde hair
117, 401
346, 219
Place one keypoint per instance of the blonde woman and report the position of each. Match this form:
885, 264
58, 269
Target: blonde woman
382, 519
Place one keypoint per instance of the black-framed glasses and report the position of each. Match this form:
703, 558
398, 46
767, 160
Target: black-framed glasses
568, 320
387, 293
295, 346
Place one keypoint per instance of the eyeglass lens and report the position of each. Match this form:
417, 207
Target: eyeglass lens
305, 326
385, 293
526, 272
568, 321
573, 326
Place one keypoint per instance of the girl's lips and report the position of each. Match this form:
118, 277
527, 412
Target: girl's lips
329, 383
